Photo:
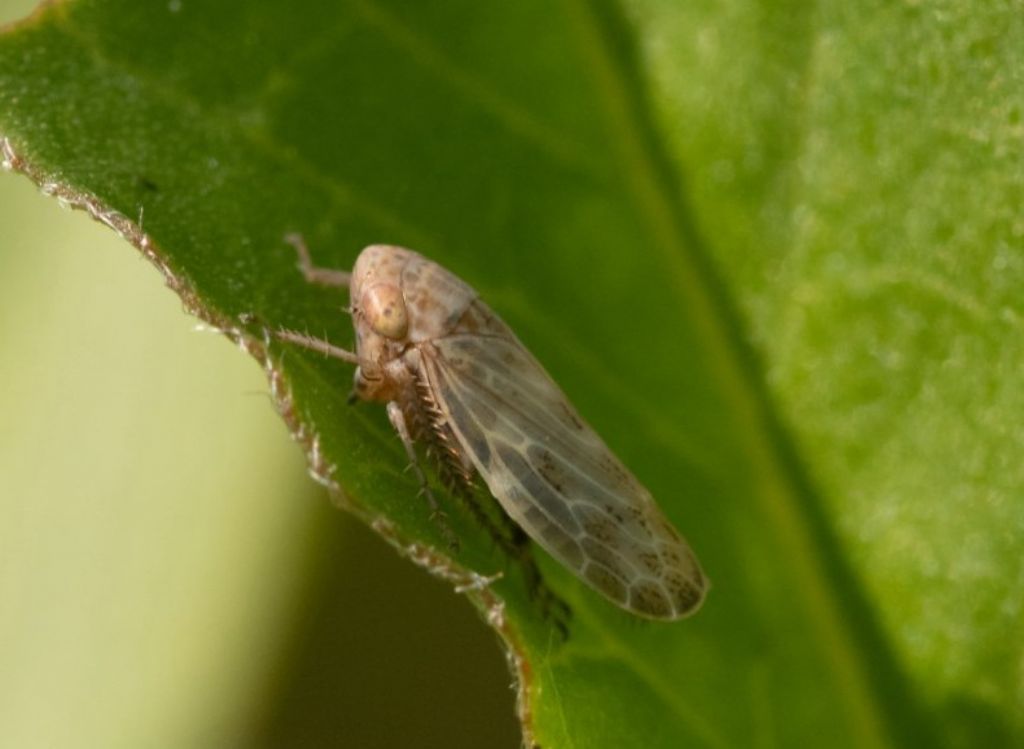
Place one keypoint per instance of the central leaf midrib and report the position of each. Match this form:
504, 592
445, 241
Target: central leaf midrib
778, 495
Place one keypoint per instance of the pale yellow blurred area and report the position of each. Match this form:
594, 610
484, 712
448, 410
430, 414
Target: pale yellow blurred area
148, 556
145, 482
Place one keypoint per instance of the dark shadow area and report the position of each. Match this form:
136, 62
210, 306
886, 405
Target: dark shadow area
385, 656
968, 722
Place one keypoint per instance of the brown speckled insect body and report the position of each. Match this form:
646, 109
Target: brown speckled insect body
451, 371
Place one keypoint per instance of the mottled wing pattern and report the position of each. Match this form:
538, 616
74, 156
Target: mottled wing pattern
556, 478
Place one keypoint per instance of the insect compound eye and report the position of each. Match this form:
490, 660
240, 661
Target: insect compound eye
384, 309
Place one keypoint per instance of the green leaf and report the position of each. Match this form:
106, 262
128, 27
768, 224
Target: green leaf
859, 168
513, 145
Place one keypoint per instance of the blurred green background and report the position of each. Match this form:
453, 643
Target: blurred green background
169, 576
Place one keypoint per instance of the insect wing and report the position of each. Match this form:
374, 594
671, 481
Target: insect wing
556, 478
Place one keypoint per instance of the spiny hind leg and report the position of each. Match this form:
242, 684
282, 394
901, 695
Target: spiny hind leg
494, 528
338, 279
514, 542
552, 607
397, 419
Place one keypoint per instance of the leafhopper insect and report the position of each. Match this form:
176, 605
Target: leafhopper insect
453, 374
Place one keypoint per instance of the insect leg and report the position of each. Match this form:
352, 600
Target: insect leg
514, 542
313, 273
482, 518
397, 419
551, 605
